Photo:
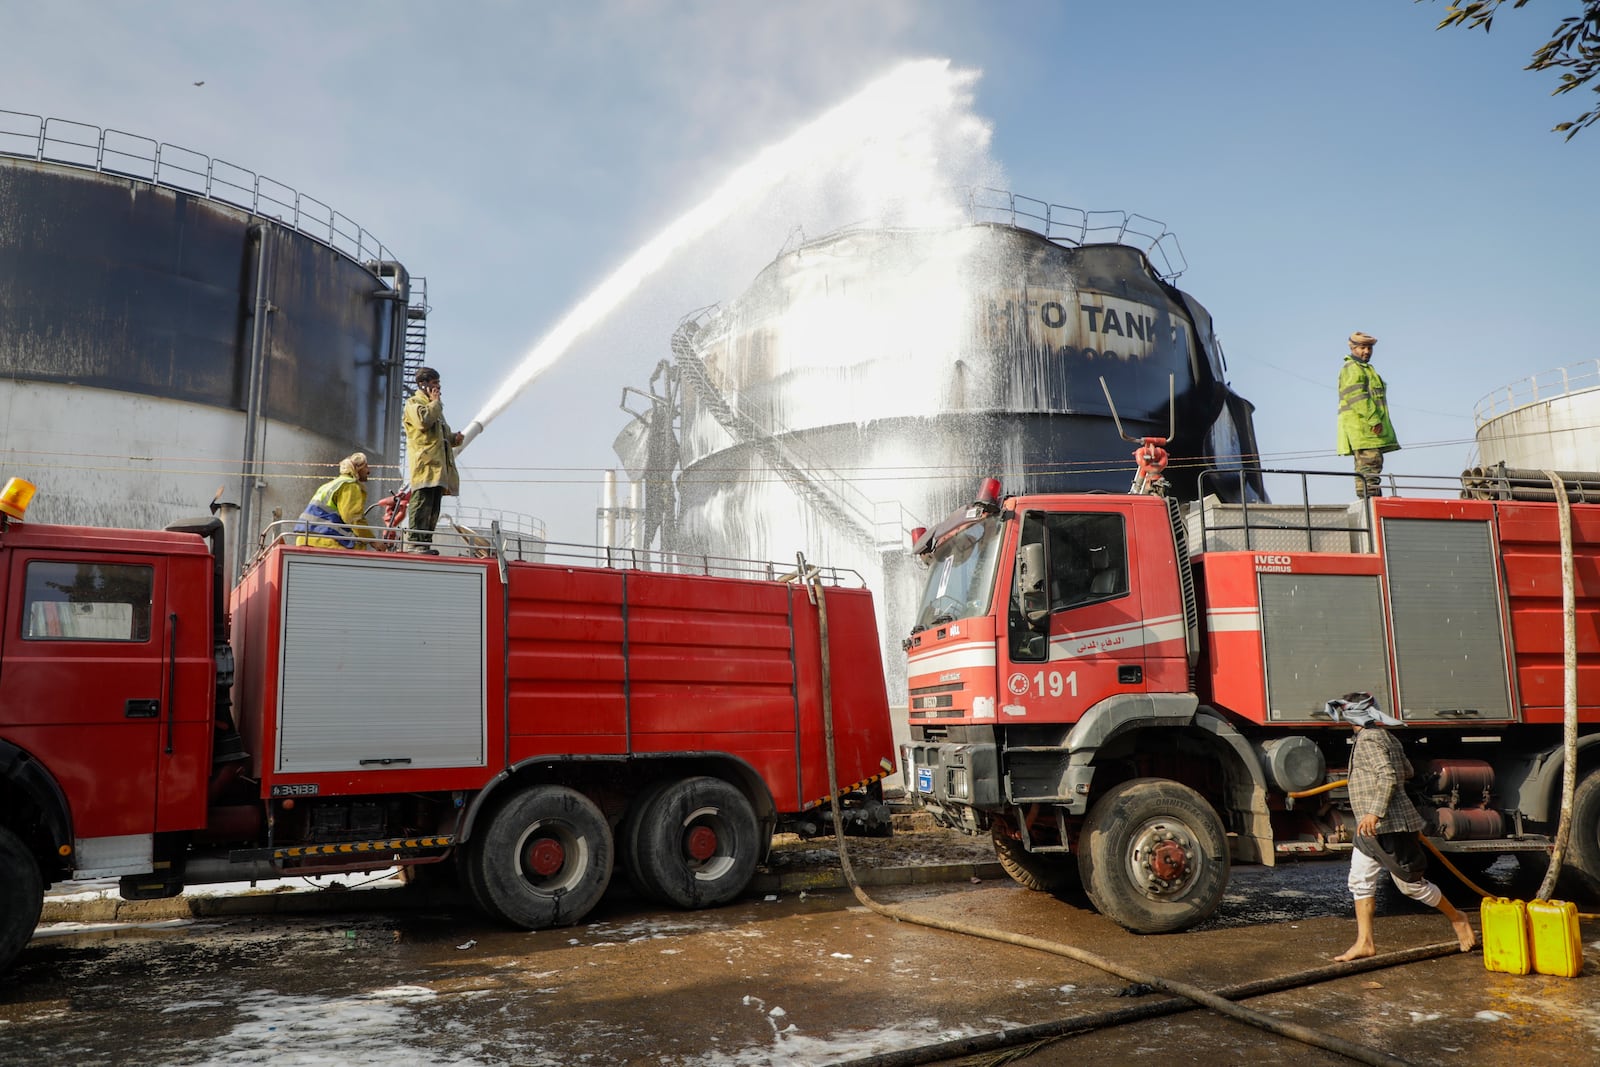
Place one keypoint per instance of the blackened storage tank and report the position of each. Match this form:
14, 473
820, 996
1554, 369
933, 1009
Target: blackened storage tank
869, 380
900, 367
171, 325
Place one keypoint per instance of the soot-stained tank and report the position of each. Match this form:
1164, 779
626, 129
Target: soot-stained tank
869, 380
167, 331
909, 364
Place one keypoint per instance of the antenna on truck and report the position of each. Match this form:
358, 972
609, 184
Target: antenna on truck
1150, 457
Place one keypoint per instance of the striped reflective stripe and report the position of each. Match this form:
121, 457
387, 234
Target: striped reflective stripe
853, 787
1234, 619
396, 844
954, 659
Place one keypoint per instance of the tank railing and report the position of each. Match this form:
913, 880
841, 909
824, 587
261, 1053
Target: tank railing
1546, 385
111, 151
1074, 226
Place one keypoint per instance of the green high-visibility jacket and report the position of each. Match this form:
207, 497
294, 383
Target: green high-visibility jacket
1362, 407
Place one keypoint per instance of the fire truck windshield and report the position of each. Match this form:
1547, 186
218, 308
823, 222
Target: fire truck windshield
961, 576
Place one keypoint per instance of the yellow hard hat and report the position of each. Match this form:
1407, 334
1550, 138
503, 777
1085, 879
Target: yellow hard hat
1359, 338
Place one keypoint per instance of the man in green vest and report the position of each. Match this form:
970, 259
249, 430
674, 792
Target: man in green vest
333, 519
1364, 427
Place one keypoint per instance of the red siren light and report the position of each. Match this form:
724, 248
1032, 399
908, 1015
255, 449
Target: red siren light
918, 533
989, 494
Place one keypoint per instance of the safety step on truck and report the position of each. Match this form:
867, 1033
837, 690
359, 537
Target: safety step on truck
1129, 694
532, 721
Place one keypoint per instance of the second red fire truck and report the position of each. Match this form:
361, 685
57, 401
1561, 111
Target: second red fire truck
1126, 693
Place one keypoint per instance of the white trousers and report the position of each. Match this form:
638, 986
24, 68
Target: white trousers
1363, 881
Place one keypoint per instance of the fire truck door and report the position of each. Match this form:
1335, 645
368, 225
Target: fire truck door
82, 680
1094, 645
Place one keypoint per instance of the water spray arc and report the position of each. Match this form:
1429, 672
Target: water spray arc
894, 106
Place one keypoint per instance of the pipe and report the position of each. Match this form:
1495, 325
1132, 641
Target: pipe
248, 491
1201, 997
1569, 711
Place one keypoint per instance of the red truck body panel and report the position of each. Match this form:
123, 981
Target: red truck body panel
589, 662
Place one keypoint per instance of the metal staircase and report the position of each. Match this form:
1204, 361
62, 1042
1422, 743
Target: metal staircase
828, 497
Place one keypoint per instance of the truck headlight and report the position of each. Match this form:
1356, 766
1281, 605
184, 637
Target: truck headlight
960, 787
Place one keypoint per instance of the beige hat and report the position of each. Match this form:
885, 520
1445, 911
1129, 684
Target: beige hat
1359, 338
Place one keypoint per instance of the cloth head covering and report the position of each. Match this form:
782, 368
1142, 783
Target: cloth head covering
348, 464
1359, 338
1359, 709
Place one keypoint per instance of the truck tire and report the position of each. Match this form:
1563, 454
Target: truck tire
1042, 872
1583, 849
698, 842
1153, 856
544, 860
21, 897
628, 841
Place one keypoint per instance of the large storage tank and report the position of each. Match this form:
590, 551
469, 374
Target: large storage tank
869, 380
1543, 422
171, 325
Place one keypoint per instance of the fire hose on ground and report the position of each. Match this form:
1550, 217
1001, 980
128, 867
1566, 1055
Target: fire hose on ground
1220, 1001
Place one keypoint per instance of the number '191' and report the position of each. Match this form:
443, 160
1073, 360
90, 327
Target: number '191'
1053, 684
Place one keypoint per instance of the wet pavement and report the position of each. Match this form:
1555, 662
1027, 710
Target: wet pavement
787, 977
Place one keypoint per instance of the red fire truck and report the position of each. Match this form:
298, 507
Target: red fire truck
532, 723
1126, 692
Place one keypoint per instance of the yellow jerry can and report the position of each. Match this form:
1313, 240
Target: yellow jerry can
1505, 935
1553, 935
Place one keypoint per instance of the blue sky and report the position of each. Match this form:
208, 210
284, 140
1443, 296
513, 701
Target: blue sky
1326, 168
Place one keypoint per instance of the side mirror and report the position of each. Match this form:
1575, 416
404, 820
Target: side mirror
1031, 590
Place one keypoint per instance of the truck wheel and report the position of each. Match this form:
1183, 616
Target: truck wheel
1042, 872
544, 860
1583, 854
1153, 856
628, 836
21, 896
698, 843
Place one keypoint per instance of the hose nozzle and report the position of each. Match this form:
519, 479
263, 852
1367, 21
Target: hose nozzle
474, 428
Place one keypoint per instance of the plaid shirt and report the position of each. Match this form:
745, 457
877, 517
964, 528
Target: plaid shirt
1378, 770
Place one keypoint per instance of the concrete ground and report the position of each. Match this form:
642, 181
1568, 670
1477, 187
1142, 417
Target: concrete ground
795, 973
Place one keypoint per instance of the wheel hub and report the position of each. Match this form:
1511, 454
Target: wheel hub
1163, 859
546, 856
701, 843
1168, 861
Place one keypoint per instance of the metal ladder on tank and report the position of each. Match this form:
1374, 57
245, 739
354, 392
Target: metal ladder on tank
849, 517
415, 353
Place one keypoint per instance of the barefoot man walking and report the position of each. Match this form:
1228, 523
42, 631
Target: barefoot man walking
1386, 824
